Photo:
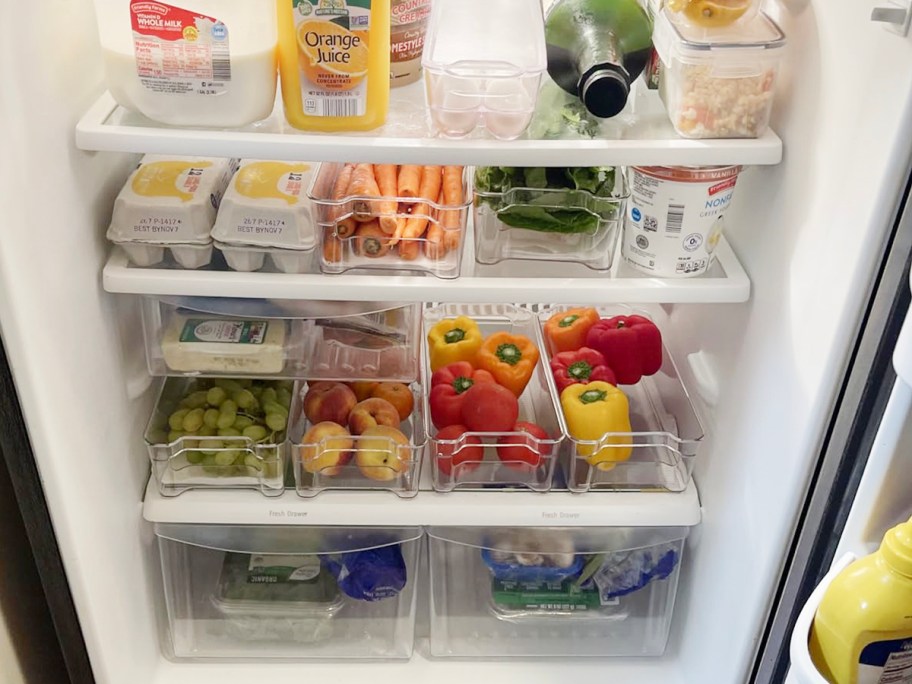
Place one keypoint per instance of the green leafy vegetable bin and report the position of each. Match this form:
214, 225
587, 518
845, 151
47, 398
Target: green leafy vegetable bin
565, 200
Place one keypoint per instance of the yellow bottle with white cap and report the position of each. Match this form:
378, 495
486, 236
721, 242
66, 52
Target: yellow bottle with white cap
862, 632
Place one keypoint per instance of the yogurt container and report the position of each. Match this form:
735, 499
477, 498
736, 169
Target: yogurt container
266, 205
170, 200
408, 23
674, 218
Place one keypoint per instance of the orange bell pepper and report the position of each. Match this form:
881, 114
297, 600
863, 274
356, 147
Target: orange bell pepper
510, 359
566, 330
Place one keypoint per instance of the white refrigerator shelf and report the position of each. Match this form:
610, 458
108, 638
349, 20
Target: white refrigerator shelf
520, 508
645, 136
509, 281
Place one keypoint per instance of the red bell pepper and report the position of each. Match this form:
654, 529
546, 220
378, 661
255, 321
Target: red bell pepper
581, 366
448, 388
631, 345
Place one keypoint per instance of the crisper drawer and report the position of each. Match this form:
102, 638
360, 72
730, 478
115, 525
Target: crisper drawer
606, 591
282, 592
215, 336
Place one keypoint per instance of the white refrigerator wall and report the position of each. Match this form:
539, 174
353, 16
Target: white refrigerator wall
808, 232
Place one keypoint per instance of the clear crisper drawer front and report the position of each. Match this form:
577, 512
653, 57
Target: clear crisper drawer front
282, 592
666, 435
215, 336
553, 591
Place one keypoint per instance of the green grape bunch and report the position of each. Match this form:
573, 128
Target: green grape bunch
221, 419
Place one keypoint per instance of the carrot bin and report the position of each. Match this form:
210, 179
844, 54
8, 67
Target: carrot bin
382, 217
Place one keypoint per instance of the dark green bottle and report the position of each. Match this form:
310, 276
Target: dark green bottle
596, 49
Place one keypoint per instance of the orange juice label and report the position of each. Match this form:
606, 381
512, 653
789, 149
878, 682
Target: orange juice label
178, 51
332, 38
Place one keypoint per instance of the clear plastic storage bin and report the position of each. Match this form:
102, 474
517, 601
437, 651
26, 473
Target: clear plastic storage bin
536, 405
210, 454
342, 251
666, 438
336, 459
554, 592
483, 61
214, 336
719, 84
549, 225
283, 592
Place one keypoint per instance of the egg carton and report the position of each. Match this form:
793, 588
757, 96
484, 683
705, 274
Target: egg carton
248, 258
147, 254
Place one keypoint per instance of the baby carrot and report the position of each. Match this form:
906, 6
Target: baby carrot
452, 196
434, 244
386, 181
408, 249
370, 241
409, 181
363, 186
430, 190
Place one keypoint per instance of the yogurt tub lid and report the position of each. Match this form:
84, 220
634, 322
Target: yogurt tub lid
689, 174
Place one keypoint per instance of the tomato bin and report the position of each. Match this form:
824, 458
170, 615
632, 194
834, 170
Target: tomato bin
632, 426
288, 593
512, 436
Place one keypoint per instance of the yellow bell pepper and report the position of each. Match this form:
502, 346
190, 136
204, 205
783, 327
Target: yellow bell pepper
453, 340
593, 410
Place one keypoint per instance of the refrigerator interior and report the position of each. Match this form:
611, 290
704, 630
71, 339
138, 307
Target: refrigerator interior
808, 232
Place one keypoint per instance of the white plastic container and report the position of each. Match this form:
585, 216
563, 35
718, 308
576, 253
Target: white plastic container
483, 61
195, 63
266, 205
553, 592
675, 218
719, 83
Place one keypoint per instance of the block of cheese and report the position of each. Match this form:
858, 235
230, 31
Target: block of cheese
266, 205
207, 344
170, 200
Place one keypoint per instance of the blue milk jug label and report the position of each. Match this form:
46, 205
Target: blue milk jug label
886, 662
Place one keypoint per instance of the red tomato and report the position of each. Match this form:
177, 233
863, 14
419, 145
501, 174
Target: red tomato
468, 452
489, 407
518, 450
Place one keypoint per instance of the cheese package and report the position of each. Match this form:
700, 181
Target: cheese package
265, 205
204, 344
170, 200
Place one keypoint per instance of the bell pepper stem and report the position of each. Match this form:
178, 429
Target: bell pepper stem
509, 354
454, 335
592, 396
580, 370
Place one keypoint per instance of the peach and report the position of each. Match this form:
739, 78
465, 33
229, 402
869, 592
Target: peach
326, 447
363, 388
331, 401
370, 413
383, 453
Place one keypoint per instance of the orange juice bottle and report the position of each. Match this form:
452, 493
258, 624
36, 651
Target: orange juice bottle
334, 62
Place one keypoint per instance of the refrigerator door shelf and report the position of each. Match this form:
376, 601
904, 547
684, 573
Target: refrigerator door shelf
803, 670
509, 281
406, 139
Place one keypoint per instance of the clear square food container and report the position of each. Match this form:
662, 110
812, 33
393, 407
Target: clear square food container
498, 469
328, 455
349, 240
288, 593
545, 224
483, 62
215, 336
219, 434
666, 436
553, 592
719, 83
